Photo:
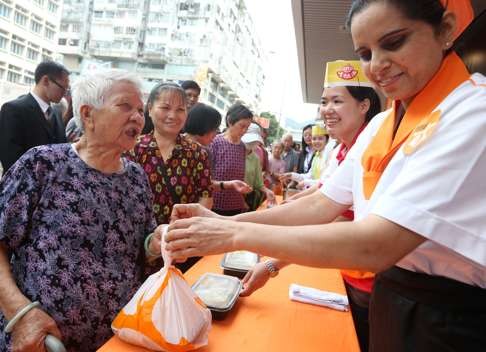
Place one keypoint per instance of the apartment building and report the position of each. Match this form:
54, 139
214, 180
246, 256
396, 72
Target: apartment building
210, 41
28, 34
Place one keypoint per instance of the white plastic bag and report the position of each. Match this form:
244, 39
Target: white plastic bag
164, 314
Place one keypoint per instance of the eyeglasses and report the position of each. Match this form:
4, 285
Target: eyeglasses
66, 91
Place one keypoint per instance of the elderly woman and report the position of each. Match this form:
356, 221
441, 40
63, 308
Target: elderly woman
412, 177
73, 219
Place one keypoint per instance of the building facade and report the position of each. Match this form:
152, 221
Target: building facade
210, 41
28, 35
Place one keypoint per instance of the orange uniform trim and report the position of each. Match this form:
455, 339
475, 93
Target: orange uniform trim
463, 11
384, 145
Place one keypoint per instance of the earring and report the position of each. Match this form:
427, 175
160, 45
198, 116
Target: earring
447, 45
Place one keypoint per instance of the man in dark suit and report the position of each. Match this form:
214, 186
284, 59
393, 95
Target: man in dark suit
29, 120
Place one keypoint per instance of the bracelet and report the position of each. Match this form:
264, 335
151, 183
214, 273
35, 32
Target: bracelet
221, 185
19, 315
146, 246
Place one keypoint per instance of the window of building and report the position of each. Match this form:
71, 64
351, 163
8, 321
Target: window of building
39, 2
131, 30
2, 73
13, 77
3, 43
73, 42
110, 14
212, 98
20, 19
64, 27
28, 80
49, 34
52, 7
118, 30
28, 77
76, 28
35, 26
5, 10
62, 41
32, 54
17, 48
220, 104
98, 14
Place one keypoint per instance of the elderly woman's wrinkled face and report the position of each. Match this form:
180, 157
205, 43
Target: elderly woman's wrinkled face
168, 113
288, 142
399, 55
120, 120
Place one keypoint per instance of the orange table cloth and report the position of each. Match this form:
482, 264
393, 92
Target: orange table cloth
268, 321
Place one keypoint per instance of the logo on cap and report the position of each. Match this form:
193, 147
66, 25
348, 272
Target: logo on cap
347, 72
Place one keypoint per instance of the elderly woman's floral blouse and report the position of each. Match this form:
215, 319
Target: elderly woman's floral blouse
76, 239
188, 170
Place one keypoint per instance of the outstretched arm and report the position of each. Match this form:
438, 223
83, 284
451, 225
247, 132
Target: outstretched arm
372, 244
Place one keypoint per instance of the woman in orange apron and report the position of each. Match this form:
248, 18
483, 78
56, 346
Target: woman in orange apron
413, 179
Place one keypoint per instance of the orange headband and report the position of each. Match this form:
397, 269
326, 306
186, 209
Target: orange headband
463, 11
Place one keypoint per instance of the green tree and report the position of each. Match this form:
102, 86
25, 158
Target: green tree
275, 131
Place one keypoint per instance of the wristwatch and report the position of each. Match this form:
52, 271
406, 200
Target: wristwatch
271, 268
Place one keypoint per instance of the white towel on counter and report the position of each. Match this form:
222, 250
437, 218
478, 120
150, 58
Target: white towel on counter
311, 295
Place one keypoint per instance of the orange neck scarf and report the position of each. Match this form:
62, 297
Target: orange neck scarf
384, 145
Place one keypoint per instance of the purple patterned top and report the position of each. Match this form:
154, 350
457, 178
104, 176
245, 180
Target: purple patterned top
76, 238
228, 163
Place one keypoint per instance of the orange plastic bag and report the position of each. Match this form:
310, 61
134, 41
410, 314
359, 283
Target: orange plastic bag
164, 314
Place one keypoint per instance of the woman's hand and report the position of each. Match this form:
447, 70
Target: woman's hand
254, 279
185, 211
240, 186
201, 236
29, 333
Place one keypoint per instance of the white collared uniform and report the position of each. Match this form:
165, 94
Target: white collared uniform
438, 191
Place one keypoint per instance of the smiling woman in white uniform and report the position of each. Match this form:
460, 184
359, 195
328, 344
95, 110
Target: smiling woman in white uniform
414, 179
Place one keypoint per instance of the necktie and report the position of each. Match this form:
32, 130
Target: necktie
49, 116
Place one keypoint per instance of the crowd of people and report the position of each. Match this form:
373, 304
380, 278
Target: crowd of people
389, 197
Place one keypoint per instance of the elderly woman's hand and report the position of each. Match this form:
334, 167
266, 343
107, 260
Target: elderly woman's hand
200, 236
30, 332
185, 211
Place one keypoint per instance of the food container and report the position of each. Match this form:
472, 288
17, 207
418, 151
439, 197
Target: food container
238, 263
218, 292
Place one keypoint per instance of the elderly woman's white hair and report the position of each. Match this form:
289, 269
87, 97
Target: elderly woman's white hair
91, 89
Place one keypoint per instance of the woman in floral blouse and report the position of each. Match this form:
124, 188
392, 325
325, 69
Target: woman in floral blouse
178, 169
73, 219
